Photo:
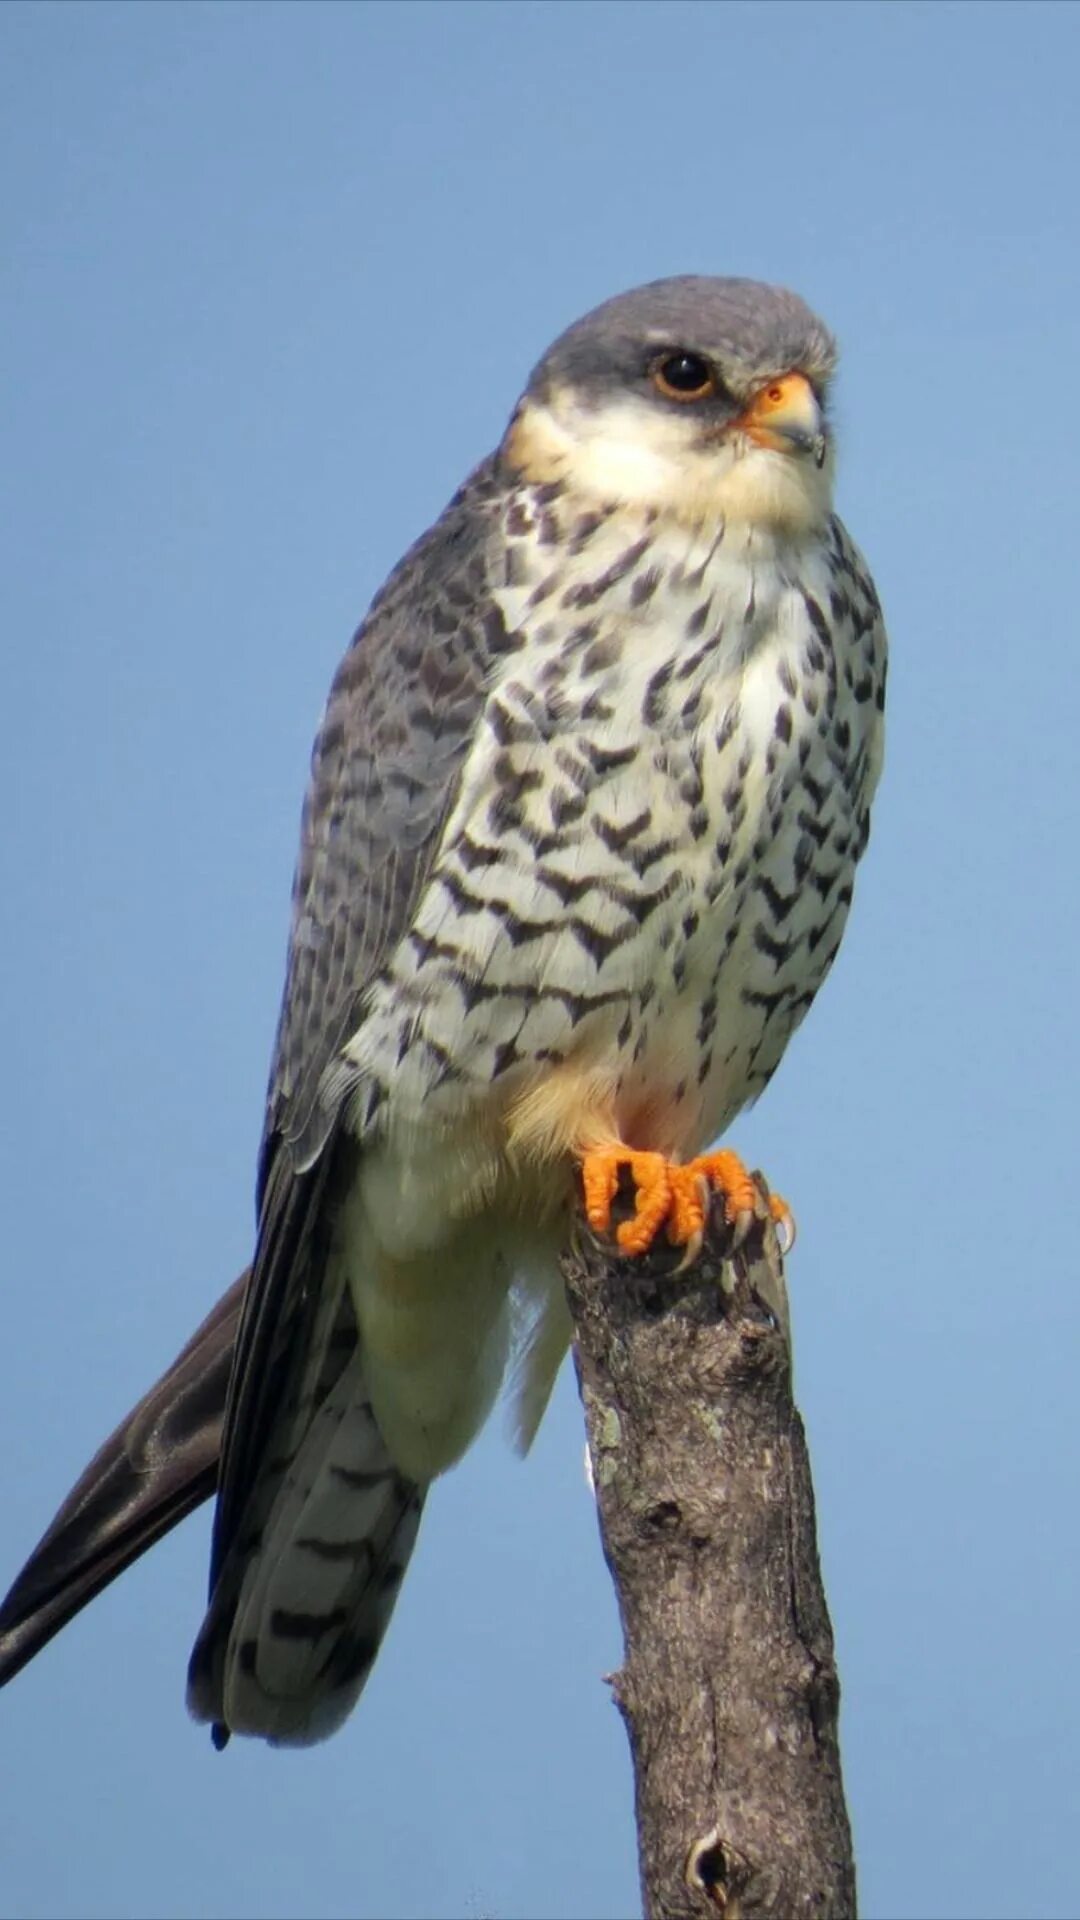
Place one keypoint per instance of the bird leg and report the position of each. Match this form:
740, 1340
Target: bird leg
675, 1196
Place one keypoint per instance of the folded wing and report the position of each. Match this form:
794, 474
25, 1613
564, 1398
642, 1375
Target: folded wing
158, 1464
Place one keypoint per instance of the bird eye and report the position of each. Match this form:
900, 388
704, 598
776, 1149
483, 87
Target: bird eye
685, 376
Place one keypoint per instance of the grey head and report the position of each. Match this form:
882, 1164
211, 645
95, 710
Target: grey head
748, 331
694, 397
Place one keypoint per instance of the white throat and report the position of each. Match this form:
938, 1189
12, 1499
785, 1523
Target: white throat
632, 454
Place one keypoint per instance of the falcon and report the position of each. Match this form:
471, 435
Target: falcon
577, 853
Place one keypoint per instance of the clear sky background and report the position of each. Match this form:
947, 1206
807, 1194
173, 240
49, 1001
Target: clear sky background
272, 279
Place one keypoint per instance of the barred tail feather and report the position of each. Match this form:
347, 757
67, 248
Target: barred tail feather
297, 1617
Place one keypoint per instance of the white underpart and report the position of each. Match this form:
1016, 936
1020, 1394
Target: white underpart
451, 1262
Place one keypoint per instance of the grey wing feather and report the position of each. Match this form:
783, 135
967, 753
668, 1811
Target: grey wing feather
401, 716
398, 725
159, 1464
399, 721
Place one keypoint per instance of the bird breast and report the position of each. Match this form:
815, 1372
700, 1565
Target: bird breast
647, 869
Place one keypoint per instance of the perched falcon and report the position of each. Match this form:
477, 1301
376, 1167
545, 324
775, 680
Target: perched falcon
577, 853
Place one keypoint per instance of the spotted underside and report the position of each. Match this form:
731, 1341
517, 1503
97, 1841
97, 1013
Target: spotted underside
647, 871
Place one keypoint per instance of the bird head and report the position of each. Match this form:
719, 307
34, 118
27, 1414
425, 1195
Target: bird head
694, 398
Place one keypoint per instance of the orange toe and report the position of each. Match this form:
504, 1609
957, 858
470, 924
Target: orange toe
677, 1196
600, 1180
651, 1176
727, 1174
689, 1204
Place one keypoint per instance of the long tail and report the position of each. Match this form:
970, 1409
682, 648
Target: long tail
301, 1607
315, 1522
159, 1464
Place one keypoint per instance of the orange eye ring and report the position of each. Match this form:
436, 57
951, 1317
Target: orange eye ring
684, 376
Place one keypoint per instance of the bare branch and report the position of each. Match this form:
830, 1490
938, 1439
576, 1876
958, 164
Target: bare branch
729, 1688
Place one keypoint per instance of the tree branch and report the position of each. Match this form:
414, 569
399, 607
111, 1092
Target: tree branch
729, 1688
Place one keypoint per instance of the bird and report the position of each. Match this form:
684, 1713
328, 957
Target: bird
577, 852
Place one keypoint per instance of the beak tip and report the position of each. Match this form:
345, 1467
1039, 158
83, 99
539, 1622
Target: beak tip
786, 415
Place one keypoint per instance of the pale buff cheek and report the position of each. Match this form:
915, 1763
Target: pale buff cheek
628, 455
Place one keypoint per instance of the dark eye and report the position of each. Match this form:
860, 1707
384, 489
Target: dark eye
684, 376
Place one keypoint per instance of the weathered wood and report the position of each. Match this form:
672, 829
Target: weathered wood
729, 1688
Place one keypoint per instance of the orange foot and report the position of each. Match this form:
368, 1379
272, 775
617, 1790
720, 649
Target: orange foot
667, 1194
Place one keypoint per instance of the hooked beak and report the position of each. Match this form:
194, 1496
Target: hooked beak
786, 416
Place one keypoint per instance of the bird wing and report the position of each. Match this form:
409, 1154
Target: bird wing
160, 1463
401, 717
398, 723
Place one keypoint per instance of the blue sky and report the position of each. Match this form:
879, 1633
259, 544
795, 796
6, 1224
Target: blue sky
272, 279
